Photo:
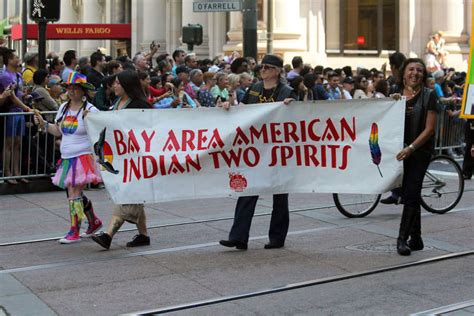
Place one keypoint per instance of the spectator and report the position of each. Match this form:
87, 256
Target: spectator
348, 85
334, 86
178, 99
56, 66
140, 63
310, 81
96, 74
435, 52
178, 56
361, 85
381, 89
348, 71
105, 97
31, 62
205, 96
196, 82
319, 92
297, 63
234, 84
40, 80
220, 90
299, 88
191, 61
164, 66
396, 61
145, 84
113, 67
12, 82
239, 65
245, 82
70, 62
84, 65
56, 91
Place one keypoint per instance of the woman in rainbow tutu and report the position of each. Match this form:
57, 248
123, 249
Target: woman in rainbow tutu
77, 166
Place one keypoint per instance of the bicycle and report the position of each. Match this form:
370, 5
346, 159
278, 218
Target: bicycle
443, 187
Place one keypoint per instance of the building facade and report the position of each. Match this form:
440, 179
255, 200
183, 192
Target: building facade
326, 32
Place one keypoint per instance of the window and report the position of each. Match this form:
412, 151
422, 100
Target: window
361, 26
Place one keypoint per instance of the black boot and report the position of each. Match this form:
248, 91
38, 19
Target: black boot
402, 247
416, 243
408, 217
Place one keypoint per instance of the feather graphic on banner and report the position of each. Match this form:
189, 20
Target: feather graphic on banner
374, 146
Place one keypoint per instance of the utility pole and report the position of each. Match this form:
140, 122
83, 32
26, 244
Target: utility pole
24, 27
270, 15
249, 13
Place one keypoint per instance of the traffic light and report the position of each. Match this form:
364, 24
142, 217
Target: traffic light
45, 10
192, 35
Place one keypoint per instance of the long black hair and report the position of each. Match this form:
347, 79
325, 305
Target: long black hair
130, 82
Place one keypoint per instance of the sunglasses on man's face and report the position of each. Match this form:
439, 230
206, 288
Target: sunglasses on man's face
267, 67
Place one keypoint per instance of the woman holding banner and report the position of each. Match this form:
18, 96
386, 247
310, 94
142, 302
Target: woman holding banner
270, 89
77, 167
128, 89
420, 123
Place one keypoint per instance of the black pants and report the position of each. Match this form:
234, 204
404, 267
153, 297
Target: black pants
414, 169
244, 211
468, 162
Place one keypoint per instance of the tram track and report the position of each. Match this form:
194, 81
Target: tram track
299, 285
204, 221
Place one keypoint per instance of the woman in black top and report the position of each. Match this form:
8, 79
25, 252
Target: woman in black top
420, 122
130, 95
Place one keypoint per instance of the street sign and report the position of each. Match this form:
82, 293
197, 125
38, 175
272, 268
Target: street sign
217, 5
45, 10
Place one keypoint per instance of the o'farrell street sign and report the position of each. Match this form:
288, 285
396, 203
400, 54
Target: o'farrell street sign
217, 5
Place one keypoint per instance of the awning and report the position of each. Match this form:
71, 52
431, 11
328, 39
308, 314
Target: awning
76, 31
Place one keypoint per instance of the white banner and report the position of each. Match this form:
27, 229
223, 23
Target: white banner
322, 147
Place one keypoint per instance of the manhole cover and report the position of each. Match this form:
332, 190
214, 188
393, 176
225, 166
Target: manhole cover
389, 248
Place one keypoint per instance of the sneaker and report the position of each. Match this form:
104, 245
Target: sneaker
92, 228
71, 237
102, 239
139, 240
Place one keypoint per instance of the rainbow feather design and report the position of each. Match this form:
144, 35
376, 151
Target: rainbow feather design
374, 146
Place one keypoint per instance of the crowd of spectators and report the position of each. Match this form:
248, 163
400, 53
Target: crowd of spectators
181, 80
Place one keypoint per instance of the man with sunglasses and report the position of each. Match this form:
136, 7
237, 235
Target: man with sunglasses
270, 89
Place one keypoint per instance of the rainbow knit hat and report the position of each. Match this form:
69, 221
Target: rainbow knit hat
80, 79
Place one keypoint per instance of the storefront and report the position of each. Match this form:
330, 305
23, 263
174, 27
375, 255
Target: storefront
120, 33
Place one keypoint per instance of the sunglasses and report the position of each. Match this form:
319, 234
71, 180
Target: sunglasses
266, 67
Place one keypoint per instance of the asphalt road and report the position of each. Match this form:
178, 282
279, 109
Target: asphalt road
185, 264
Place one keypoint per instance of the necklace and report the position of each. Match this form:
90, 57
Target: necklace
410, 92
264, 99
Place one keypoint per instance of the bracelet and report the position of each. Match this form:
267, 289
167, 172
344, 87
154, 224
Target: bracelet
412, 147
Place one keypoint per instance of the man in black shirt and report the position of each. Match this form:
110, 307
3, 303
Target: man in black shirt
95, 76
270, 89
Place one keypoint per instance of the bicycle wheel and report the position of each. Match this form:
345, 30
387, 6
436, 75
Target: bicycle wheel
443, 185
356, 205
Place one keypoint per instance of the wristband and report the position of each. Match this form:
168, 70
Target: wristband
412, 147
46, 126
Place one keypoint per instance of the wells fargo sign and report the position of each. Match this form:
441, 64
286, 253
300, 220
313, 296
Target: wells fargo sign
76, 31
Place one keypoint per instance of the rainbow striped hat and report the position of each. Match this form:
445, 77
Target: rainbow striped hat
78, 78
